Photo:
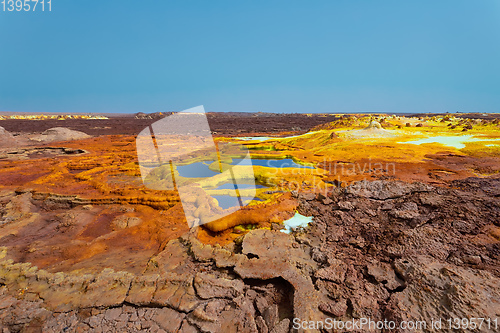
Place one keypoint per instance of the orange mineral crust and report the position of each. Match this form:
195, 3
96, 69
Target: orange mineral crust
107, 172
85, 211
90, 210
263, 215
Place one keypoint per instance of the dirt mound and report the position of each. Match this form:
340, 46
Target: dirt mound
3, 132
59, 134
6, 139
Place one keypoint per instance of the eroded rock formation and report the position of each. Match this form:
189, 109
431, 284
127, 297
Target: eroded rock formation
401, 252
7, 139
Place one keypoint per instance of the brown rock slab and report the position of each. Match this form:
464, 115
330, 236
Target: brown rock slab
338, 309
210, 286
335, 272
142, 289
176, 291
383, 273
168, 319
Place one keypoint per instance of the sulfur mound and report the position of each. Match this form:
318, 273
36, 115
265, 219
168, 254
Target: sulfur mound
374, 125
374, 130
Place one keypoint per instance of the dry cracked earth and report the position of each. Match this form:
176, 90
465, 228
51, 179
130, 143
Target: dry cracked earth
381, 249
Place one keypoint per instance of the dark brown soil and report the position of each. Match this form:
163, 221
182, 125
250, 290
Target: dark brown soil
220, 123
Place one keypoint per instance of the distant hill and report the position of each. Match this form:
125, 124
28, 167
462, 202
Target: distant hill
156, 115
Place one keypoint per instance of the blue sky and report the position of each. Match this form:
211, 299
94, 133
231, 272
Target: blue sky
272, 56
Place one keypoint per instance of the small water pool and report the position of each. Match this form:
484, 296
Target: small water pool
300, 135
227, 201
254, 138
275, 163
196, 170
230, 186
295, 222
452, 141
201, 169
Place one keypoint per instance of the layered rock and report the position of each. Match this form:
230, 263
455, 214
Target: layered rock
220, 301
402, 252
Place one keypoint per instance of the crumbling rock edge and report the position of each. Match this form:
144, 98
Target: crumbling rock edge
379, 250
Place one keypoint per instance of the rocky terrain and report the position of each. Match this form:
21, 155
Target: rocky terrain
400, 232
233, 123
381, 249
